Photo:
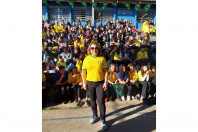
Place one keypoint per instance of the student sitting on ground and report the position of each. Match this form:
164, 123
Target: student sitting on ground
143, 76
74, 80
123, 79
61, 84
133, 78
112, 78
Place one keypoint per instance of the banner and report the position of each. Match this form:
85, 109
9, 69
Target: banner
115, 4
58, 2
127, 5
94, 5
147, 7
84, 5
71, 3
137, 6
104, 6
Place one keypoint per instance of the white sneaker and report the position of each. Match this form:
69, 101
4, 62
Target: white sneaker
123, 99
128, 98
133, 97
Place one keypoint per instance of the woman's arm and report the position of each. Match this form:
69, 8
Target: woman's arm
84, 79
106, 79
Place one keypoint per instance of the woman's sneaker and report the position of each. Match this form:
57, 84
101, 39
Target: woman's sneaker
87, 103
128, 98
104, 126
79, 103
123, 99
93, 120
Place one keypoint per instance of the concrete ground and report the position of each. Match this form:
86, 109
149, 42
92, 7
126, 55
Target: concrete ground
127, 116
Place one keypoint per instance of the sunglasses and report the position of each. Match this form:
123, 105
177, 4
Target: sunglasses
92, 48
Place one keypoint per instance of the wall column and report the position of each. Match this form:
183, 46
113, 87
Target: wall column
92, 18
115, 14
135, 18
70, 14
155, 18
46, 11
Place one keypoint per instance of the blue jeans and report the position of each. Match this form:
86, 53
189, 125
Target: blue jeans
44, 55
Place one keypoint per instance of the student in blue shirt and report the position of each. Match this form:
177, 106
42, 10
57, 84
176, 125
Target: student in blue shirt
61, 85
123, 79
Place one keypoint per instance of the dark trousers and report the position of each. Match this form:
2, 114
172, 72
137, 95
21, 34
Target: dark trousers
125, 88
153, 86
64, 91
135, 88
145, 88
77, 91
96, 92
111, 92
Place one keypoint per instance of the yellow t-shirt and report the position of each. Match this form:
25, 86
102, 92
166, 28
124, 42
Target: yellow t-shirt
151, 74
133, 75
79, 65
57, 28
141, 55
113, 78
77, 44
43, 81
137, 42
43, 78
116, 56
145, 27
61, 64
55, 49
94, 67
82, 38
76, 78
140, 75
43, 35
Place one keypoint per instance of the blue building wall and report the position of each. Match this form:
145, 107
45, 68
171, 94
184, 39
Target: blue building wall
121, 14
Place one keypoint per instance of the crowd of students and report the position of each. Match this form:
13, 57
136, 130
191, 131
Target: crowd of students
131, 59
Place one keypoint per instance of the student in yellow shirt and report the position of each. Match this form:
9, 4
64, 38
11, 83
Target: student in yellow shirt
60, 63
95, 79
145, 27
142, 56
56, 27
77, 42
133, 81
53, 49
143, 76
75, 79
43, 33
112, 78
80, 62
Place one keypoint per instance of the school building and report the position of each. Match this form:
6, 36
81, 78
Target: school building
57, 12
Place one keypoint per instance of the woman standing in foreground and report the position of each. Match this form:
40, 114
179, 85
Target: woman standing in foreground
95, 80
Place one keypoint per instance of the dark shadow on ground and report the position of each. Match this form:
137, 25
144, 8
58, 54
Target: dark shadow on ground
145, 122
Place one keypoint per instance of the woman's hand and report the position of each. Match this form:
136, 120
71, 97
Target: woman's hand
85, 86
105, 86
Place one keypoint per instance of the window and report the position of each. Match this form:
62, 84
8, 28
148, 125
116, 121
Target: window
103, 16
57, 13
43, 13
142, 15
84, 15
